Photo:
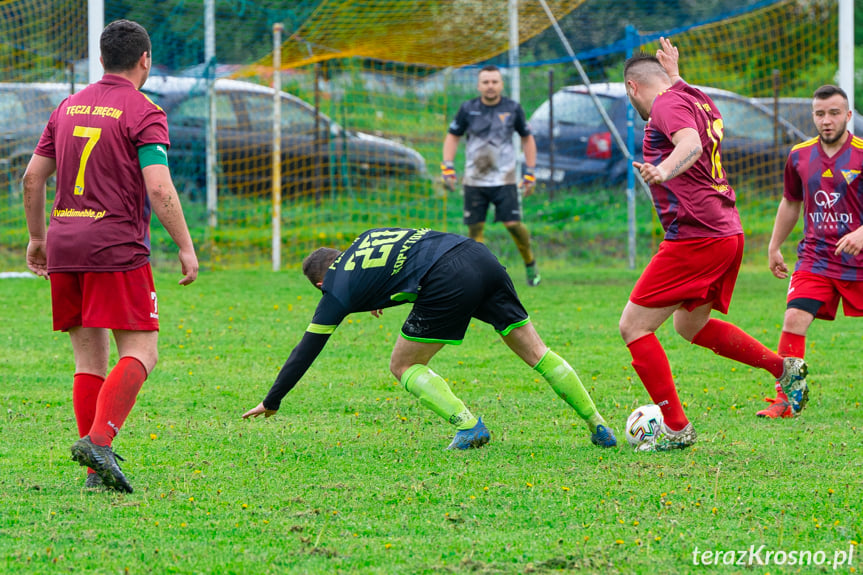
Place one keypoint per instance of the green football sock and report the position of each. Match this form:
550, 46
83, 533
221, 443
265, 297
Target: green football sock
434, 393
565, 382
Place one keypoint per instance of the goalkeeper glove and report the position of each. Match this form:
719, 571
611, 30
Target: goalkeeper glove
447, 172
528, 180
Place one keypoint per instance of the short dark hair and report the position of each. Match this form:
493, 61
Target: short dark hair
489, 68
317, 263
122, 43
642, 65
828, 91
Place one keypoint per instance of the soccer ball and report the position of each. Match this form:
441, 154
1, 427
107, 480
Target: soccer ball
644, 426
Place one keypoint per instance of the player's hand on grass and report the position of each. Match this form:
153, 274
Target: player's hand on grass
377, 312
668, 56
777, 264
259, 410
850, 243
37, 258
448, 175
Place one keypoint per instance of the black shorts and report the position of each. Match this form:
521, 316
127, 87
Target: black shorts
467, 282
507, 203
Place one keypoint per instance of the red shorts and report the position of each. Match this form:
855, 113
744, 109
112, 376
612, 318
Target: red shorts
112, 300
691, 273
828, 291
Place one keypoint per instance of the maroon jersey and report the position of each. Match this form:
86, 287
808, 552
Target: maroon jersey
100, 220
699, 203
830, 189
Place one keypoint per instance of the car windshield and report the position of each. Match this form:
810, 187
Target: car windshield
294, 115
798, 114
573, 108
578, 109
58, 95
743, 120
13, 116
195, 111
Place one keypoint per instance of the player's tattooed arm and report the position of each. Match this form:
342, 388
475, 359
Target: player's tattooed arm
685, 163
687, 150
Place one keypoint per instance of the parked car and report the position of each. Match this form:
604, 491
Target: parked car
798, 111
24, 111
315, 151
584, 150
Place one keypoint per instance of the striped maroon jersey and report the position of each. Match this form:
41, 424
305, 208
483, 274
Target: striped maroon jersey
100, 220
830, 189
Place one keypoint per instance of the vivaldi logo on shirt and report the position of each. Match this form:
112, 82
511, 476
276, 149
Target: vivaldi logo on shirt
826, 201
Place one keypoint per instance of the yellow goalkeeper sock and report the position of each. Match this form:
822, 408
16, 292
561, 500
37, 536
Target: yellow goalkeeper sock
434, 393
565, 382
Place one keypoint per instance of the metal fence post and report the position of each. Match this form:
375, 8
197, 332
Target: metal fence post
277, 147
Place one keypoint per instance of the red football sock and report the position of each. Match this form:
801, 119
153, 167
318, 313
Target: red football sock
651, 365
790, 345
730, 341
85, 391
116, 399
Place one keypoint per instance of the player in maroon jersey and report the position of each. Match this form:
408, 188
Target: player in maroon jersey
108, 145
823, 176
696, 267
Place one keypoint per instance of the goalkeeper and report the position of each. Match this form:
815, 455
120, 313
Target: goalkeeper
490, 122
449, 279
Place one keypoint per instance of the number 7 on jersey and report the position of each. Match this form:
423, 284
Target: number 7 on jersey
92, 135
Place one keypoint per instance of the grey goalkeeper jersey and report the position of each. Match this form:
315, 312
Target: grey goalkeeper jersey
490, 154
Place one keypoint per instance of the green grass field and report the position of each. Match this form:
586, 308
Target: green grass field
351, 476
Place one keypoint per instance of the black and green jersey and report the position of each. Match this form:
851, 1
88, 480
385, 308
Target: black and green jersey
382, 268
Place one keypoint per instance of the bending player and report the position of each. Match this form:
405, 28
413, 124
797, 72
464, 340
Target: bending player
449, 279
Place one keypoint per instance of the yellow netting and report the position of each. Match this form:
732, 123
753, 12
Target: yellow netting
427, 32
41, 41
741, 54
